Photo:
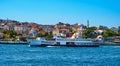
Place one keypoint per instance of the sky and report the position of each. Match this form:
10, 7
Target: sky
98, 12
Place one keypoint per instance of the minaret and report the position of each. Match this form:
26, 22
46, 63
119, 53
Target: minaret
87, 23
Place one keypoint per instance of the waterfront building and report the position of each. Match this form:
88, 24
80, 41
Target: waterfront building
79, 28
48, 28
61, 30
18, 29
5, 27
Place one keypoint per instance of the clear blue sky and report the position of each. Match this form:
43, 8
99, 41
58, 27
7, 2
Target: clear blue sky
98, 12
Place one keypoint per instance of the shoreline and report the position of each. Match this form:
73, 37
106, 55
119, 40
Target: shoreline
110, 44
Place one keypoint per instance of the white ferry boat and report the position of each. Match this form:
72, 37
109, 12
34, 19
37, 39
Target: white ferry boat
68, 42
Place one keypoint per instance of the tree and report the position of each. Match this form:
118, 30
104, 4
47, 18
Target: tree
109, 33
49, 35
9, 34
41, 34
70, 30
6, 37
88, 33
12, 33
119, 30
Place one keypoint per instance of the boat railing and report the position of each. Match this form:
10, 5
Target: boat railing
73, 39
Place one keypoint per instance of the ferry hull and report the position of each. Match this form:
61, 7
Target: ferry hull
64, 43
44, 45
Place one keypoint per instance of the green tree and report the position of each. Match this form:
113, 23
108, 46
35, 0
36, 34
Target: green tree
6, 37
9, 34
109, 33
49, 35
70, 30
88, 33
119, 30
41, 34
12, 33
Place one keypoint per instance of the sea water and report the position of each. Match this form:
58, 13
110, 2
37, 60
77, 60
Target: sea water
22, 55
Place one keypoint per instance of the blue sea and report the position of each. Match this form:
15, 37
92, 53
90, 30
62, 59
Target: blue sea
22, 55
